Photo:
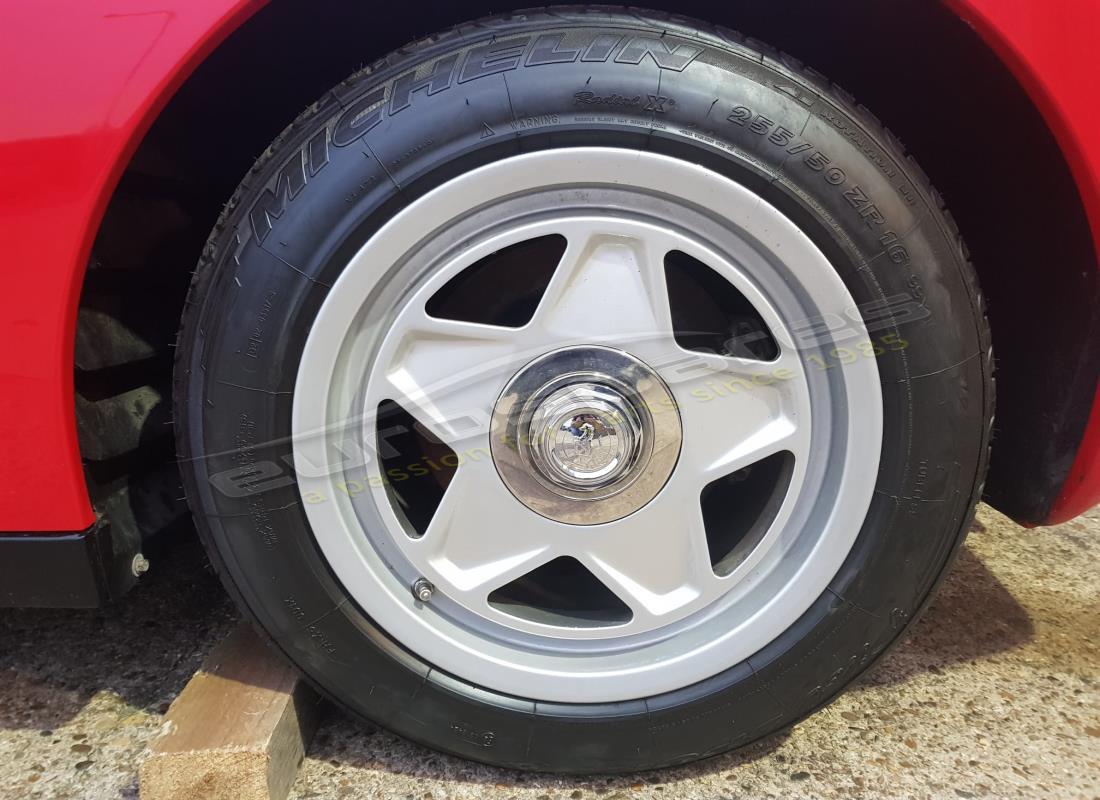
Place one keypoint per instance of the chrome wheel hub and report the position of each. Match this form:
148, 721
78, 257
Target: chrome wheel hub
585, 435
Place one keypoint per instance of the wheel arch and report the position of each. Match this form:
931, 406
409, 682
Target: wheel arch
280, 59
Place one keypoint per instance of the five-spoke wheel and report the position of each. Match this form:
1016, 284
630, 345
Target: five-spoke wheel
577, 445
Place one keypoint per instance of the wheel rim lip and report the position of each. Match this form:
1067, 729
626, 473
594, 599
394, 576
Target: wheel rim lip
543, 678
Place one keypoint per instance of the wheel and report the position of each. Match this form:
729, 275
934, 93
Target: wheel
583, 391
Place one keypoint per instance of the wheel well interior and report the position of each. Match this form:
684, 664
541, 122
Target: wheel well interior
913, 63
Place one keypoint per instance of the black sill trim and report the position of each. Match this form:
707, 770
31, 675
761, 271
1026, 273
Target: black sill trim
67, 569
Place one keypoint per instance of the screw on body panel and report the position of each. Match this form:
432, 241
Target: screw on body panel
140, 565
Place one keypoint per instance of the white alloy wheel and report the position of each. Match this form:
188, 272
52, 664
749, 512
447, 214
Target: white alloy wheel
589, 432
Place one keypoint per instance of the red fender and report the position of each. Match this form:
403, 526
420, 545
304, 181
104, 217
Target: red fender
81, 84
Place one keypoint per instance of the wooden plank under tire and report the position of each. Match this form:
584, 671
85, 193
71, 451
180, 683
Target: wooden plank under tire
238, 731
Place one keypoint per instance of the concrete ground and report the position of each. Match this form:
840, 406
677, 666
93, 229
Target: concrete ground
995, 693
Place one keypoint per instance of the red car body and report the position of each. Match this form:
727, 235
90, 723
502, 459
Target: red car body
83, 82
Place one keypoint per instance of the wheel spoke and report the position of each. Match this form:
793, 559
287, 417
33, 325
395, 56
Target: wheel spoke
481, 537
655, 560
447, 374
607, 287
735, 412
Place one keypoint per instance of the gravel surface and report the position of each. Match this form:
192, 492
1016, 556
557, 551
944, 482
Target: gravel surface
995, 693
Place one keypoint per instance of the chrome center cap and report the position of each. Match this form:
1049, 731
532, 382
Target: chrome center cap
585, 436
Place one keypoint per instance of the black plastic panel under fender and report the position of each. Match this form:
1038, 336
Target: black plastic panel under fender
82, 569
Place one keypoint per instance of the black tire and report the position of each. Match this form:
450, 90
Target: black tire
695, 92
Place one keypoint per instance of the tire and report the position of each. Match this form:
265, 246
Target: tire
535, 84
